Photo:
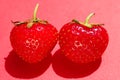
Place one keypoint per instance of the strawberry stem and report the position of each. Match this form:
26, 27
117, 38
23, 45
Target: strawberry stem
35, 12
34, 19
88, 18
86, 23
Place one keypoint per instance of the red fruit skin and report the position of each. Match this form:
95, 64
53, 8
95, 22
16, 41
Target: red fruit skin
81, 44
35, 43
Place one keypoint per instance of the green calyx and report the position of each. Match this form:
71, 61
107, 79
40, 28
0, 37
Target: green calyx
86, 22
33, 20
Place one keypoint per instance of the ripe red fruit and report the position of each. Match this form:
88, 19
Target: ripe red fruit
83, 42
33, 40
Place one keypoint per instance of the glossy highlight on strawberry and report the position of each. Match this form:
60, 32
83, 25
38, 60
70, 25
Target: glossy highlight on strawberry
83, 42
33, 40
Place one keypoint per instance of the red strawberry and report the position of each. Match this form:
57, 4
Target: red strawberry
83, 42
33, 40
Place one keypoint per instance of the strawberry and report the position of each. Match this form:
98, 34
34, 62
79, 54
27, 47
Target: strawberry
82, 42
34, 39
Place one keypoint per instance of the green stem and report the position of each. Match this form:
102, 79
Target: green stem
34, 19
88, 19
35, 12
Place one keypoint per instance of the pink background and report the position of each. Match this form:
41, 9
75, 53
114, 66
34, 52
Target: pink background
59, 12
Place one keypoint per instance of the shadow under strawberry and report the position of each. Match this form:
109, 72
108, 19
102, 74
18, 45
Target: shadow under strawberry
16, 67
67, 69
